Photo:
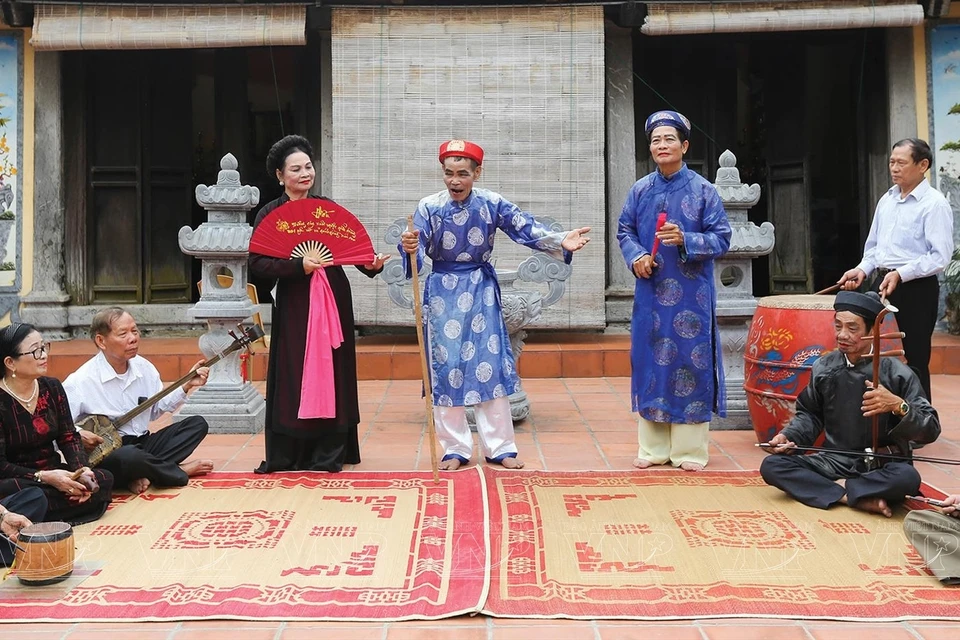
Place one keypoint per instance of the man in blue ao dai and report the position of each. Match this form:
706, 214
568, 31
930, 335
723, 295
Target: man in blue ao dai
677, 371
471, 362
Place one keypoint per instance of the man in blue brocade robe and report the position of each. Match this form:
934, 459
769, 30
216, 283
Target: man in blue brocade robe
677, 372
471, 362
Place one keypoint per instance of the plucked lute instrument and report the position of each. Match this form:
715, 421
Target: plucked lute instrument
108, 429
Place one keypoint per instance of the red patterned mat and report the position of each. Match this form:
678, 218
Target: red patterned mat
678, 545
295, 546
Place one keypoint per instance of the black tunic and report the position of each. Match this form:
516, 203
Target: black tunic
27, 446
831, 405
317, 444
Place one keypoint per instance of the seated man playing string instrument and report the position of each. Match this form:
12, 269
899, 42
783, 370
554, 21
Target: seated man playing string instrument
843, 403
115, 381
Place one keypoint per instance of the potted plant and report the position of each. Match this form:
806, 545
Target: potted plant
951, 281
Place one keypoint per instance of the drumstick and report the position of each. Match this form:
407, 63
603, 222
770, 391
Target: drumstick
932, 501
427, 388
830, 289
661, 220
90, 485
12, 543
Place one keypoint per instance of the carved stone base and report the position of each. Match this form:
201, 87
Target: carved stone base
733, 318
519, 409
46, 310
239, 409
738, 419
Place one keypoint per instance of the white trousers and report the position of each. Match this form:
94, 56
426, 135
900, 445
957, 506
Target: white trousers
494, 427
662, 442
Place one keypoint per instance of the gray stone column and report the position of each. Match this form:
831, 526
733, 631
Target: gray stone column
229, 404
621, 166
324, 181
901, 88
45, 305
733, 277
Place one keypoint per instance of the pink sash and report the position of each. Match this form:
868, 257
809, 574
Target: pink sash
318, 396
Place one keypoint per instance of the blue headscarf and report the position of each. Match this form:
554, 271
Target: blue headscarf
669, 119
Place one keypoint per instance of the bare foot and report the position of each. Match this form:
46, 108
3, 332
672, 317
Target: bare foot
139, 485
691, 466
449, 465
511, 463
640, 463
873, 505
197, 467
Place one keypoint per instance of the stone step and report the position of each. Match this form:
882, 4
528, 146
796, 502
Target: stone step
545, 355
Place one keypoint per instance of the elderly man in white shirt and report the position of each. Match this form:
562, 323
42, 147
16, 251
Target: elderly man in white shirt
910, 242
115, 381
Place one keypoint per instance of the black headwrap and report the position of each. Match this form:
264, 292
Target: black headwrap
865, 305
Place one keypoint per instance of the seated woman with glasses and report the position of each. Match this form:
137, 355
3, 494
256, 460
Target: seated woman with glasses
34, 417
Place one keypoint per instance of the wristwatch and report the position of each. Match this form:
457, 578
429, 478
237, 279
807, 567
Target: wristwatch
903, 409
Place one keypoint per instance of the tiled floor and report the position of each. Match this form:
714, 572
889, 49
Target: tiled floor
576, 423
545, 355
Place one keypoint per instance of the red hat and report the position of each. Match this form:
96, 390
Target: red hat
461, 148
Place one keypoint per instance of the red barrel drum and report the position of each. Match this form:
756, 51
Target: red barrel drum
787, 336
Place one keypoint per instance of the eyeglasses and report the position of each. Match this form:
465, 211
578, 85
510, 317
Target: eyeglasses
39, 352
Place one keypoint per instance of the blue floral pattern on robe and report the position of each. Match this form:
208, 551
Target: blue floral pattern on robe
675, 351
470, 356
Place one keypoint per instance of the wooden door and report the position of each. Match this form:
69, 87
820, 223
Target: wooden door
139, 175
787, 132
788, 209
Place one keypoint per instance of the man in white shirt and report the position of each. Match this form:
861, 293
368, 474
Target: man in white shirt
115, 381
910, 242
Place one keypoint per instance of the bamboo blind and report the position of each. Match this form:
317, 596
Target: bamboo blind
674, 19
525, 83
60, 27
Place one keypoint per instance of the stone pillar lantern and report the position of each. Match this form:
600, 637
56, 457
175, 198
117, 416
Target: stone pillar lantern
229, 404
734, 281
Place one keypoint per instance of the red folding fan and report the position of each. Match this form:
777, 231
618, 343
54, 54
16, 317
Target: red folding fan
321, 229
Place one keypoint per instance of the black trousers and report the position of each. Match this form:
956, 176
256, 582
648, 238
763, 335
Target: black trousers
918, 302
30, 503
157, 456
790, 474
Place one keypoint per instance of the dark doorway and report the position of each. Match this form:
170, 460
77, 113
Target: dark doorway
802, 112
156, 124
127, 126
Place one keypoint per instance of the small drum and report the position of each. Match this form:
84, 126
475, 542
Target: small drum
47, 555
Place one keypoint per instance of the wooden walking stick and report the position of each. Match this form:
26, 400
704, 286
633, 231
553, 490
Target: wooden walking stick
427, 388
